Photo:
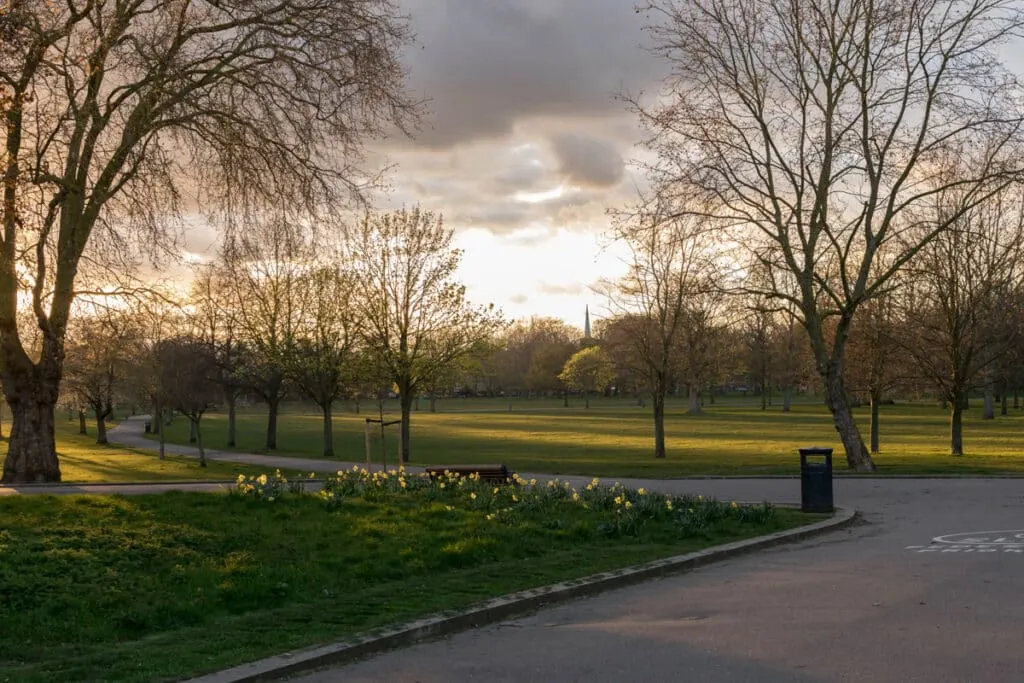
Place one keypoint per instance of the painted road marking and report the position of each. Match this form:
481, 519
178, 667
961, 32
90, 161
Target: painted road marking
1003, 542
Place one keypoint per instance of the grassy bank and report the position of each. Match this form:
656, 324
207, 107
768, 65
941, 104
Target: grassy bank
615, 438
150, 588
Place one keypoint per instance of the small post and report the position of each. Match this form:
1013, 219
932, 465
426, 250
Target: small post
366, 432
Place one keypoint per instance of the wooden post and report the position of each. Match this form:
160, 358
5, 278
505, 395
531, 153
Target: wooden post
366, 431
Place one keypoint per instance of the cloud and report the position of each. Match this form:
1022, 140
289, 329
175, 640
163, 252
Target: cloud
487, 64
555, 289
588, 161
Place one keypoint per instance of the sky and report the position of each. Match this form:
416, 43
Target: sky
525, 145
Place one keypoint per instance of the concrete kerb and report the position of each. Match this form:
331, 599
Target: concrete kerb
501, 608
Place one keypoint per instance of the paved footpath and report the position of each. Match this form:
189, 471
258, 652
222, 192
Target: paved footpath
927, 588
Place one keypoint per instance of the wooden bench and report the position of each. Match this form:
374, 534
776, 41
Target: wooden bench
498, 474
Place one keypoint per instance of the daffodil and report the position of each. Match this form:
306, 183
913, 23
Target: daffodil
628, 505
641, 492
472, 496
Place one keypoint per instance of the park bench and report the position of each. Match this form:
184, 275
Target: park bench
498, 474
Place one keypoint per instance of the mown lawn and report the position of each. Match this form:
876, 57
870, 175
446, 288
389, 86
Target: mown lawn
155, 588
615, 438
83, 461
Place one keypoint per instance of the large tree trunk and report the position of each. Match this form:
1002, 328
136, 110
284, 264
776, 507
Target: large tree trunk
956, 429
82, 429
787, 399
694, 399
328, 431
101, 427
232, 419
193, 435
156, 418
857, 456
586, 399
433, 403
658, 404
565, 398
31, 449
989, 410
876, 399
273, 406
1004, 406
405, 401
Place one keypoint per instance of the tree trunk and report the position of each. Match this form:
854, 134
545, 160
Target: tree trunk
658, 404
1004, 406
433, 403
199, 442
956, 429
328, 431
694, 400
163, 443
565, 398
787, 399
357, 405
232, 420
876, 399
989, 409
81, 422
857, 456
31, 449
273, 405
101, 428
1016, 399
156, 418
405, 401
192, 436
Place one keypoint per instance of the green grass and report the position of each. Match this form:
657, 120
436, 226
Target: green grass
82, 460
153, 588
614, 438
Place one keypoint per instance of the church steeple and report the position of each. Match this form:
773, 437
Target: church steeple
586, 324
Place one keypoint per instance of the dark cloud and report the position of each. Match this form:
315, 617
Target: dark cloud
588, 161
488, 64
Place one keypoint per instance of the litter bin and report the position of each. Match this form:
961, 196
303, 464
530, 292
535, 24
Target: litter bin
816, 480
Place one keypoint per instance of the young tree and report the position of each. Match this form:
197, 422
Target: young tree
812, 131
589, 370
670, 268
115, 112
97, 361
215, 322
265, 267
960, 299
416, 320
188, 383
320, 360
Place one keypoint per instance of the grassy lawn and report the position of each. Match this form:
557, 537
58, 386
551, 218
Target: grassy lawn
83, 461
153, 588
615, 438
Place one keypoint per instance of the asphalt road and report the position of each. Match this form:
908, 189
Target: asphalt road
877, 602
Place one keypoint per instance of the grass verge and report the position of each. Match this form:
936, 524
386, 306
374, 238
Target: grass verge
154, 588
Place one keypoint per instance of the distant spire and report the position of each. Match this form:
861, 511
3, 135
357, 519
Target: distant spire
586, 324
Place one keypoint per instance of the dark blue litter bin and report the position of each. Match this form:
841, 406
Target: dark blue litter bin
816, 480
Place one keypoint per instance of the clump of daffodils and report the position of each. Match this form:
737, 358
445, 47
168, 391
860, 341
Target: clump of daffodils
613, 510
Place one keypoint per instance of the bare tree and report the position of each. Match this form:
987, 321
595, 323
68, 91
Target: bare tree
813, 129
416, 320
215, 322
670, 268
118, 115
960, 300
96, 366
265, 267
321, 358
188, 381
